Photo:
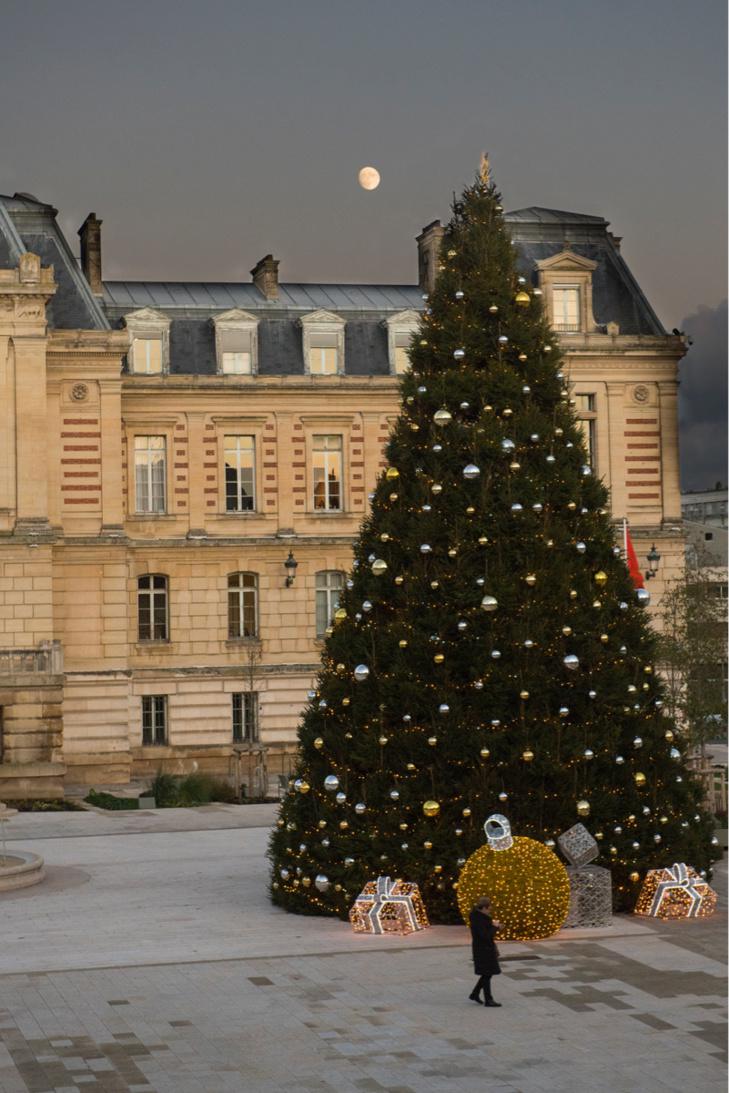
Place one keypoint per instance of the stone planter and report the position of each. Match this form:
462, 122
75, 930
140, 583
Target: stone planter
20, 869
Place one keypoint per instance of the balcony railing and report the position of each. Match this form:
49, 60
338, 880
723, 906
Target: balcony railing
46, 659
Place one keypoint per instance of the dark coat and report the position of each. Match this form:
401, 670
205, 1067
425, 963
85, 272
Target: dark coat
485, 953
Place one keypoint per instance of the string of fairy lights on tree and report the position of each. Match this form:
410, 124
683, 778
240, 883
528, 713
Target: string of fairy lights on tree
489, 650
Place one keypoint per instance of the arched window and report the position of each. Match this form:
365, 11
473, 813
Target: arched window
152, 607
243, 605
329, 585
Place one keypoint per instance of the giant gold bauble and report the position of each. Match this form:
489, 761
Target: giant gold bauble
527, 884
431, 808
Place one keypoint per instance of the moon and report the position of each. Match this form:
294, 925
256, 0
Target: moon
369, 178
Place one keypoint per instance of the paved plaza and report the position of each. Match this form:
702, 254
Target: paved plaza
150, 961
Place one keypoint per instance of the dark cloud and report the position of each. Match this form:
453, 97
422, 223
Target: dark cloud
703, 399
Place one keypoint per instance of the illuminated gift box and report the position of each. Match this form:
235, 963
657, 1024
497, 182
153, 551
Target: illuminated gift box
591, 896
385, 906
675, 892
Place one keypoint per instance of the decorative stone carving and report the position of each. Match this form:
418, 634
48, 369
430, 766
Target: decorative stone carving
29, 269
641, 393
79, 392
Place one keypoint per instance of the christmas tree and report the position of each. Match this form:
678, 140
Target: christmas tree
490, 653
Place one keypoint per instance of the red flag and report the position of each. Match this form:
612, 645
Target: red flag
631, 559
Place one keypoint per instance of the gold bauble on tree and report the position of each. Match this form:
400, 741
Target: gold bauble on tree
583, 808
527, 884
601, 578
639, 778
431, 808
522, 298
392, 473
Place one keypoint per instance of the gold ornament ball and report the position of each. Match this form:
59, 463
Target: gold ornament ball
466, 812
527, 884
531, 579
523, 695
403, 644
601, 578
379, 566
635, 877
484, 753
566, 630
392, 473
442, 417
345, 701
523, 357
432, 740
527, 755
639, 778
383, 741
438, 658
304, 787
393, 497
343, 825
340, 614
431, 808
583, 808
399, 580
604, 638
668, 734
318, 743
428, 845
522, 299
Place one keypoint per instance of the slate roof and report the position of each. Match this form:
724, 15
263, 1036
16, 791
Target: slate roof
29, 224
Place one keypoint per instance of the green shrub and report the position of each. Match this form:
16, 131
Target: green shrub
164, 789
109, 801
55, 805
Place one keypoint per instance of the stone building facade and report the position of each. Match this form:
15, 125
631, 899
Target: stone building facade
183, 467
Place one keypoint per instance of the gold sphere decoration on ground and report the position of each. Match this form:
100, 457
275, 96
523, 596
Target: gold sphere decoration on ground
431, 808
527, 884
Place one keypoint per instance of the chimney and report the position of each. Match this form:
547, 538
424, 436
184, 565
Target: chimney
265, 277
429, 242
90, 233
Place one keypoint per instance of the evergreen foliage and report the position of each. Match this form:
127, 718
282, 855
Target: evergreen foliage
477, 709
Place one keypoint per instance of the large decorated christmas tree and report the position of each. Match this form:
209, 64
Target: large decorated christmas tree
490, 652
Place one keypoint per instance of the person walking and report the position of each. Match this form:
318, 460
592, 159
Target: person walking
485, 953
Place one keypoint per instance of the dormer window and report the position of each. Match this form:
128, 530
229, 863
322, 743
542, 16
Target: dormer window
149, 344
236, 343
400, 330
323, 343
566, 308
566, 281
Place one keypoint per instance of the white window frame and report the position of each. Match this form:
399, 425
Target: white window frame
236, 333
146, 465
321, 445
237, 451
322, 330
400, 330
587, 419
144, 326
154, 721
245, 721
245, 594
329, 585
158, 591
559, 322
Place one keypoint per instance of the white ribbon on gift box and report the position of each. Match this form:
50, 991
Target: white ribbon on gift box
384, 895
678, 877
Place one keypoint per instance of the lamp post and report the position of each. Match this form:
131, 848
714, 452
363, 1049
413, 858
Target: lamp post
653, 559
290, 565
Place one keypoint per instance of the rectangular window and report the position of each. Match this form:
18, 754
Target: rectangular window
147, 355
150, 473
323, 360
587, 420
236, 363
242, 605
327, 465
154, 719
152, 607
240, 473
245, 717
566, 305
402, 360
329, 585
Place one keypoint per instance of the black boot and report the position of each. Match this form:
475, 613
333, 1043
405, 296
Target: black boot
474, 996
490, 1002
